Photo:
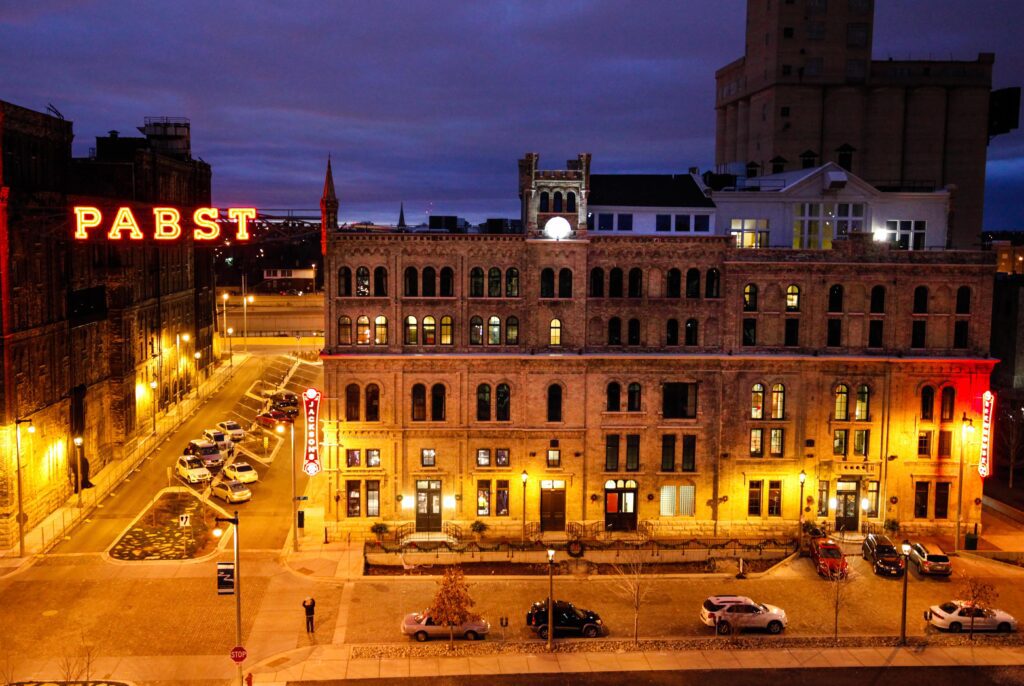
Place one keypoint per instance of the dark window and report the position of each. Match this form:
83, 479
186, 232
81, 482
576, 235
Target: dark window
544, 202
679, 400
362, 281
345, 282
429, 282
787, 32
835, 298
419, 403
633, 332
564, 283
808, 160
927, 403
693, 283
354, 506
615, 283
344, 330
668, 453
503, 403
701, 222
663, 222
875, 333
712, 284
512, 331
792, 333
596, 282
476, 282
691, 332
633, 397
611, 452
501, 457
918, 333
614, 331
570, 202
437, 397
948, 403
605, 221
689, 453
672, 332
921, 500
373, 403
673, 283
352, 403
942, 500
749, 332
558, 201
921, 300
839, 441
493, 282
411, 282
754, 499
960, 334
823, 498
547, 283
380, 284
635, 283
476, 331
750, 298
625, 222
373, 498
682, 222
512, 282
483, 403
447, 282
554, 403
878, 300
835, 333
844, 156
501, 499
963, 306
632, 452
945, 444
774, 498
613, 393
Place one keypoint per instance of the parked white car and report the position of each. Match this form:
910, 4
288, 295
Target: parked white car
221, 439
242, 472
231, 491
955, 616
192, 469
742, 616
233, 430
714, 605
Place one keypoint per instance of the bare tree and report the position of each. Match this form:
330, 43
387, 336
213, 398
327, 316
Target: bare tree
1011, 434
839, 583
452, 602
978, 594
89, 653
70, 667
632, 585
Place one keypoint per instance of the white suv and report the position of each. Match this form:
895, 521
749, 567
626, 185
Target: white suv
207, 451
750, 615
714, 605
191, 469
220, 438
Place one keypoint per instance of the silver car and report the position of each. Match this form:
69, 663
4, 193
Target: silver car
421, 626
928, 562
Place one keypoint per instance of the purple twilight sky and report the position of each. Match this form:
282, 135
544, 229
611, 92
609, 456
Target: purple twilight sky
431, 102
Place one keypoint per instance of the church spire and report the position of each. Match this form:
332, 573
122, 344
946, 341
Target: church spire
401, 216
328, 207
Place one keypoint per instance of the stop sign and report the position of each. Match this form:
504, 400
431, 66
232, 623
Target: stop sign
238, 654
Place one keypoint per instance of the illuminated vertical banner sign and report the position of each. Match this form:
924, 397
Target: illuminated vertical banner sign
988, 402
311, 408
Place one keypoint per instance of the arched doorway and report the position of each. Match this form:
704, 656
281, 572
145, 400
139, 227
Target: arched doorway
620, 505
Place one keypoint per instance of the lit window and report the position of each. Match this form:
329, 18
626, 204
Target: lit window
757, 401
555, 337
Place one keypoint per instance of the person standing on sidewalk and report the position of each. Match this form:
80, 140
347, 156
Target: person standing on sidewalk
309, 605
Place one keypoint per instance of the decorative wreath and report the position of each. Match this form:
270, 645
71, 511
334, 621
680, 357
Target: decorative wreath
574, 548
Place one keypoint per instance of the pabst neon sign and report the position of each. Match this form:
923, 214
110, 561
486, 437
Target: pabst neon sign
311, 408
988, 402
166, 224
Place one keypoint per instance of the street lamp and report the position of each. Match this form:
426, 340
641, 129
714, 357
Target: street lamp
218, 532
199, 386
551, 599
864, 504
152, 387
295, 532
78, 469
906, 573
314, 277
17, 456
224, 297
231, 349
246, 301
803, 478
525, 477
966, 428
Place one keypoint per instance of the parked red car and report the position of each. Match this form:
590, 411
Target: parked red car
828, 558
272, 418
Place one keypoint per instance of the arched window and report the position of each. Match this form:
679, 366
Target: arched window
842, 404
673, 283
921, 300
344, 282
547, 283
778, 401
691, 333
615, 283
757, 401
554, 403
437, 398
373, 403
447, 335
511, 282
494, 283
558, 201
712, 284
380, 282
419, 403
948, 404
633, 332
380, 330
614, 393
429, 282
633, 397
750, 298
928, 403
672, 332
860, 408
835, 298
614, 331
429, 331
483, 403
636, 283
503, 403
570, 202
476, 331
596, 282
363, 330
555, 332
352, 403
411, 280
447, 282
476, 282
963, 300
544, 202
512, 331
792, 298
411, 334
878, 300
564, 283
693, 283
344, 330
362, 281
493, 331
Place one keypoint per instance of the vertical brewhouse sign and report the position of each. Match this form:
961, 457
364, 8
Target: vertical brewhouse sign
988, 402
311, 408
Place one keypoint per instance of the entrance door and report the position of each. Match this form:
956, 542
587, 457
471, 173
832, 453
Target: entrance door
428, 505
847, 511
552, 506
620, 505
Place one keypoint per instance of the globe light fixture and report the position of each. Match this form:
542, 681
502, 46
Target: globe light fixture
557, 228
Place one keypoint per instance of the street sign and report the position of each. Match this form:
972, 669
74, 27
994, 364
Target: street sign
184, 520
302, 497
238, 654
226, 579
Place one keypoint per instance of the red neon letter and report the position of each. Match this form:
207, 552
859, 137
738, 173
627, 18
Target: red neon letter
125, 221
203, 217
166, 223
242, 215
86, 218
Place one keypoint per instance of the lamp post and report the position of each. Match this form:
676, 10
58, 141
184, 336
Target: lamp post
199, 386
246, 301
152, 388
966, 427
231, 349
525, 477
803, 479
177, 367
314, 277
551, 599
78, 468
295, 531
238, 584
864, 504
906, 573
17, 456
224, 297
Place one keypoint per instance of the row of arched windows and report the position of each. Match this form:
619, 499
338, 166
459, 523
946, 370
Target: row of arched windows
502, 402
876, 304
493, 282
842, 403
614, 397
352, 397
946, 407
547, 283
363, 282
674, 284
750, 298
630, 284
777, 407
438, 394
413, 279
365, 334
478, 335
554, 203
428, 332
431, 331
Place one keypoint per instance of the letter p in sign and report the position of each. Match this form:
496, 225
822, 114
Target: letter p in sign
311, 409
